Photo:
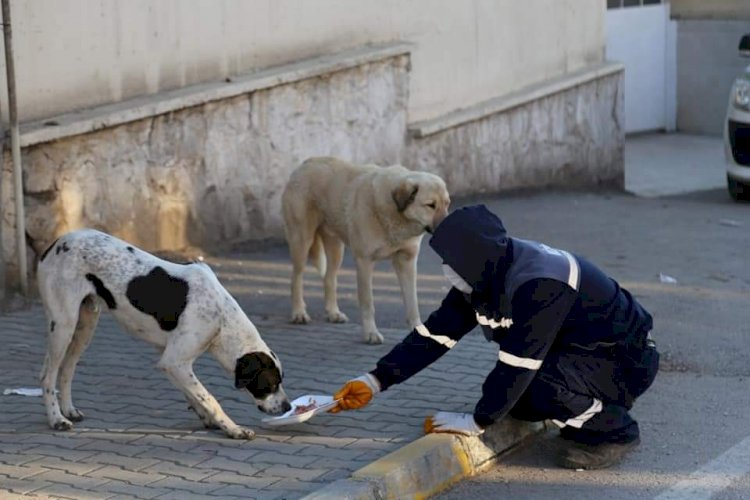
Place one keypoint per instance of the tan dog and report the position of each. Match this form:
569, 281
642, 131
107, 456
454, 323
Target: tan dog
379, 212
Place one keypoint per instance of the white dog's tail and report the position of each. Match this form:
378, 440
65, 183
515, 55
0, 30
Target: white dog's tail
318, 256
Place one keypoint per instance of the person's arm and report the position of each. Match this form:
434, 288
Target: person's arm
447, 325
425, 344
539, 308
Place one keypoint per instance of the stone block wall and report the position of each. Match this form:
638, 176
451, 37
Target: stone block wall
208, 175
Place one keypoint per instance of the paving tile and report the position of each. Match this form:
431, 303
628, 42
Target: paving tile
195, 487
111, 472
77, 480
256, 482
22, 486
172, 469
135, 464
67, 491
303, 474
7, 495
243, 492
226, 464
50, 462
126, 490
17, 458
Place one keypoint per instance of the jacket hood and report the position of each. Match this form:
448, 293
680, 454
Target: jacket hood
473, 241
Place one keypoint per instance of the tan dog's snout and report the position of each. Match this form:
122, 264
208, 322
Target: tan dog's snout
440, 214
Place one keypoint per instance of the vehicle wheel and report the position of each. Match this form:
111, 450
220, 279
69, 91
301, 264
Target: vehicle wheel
738, 190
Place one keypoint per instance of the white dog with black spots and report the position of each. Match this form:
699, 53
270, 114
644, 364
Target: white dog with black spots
180, 308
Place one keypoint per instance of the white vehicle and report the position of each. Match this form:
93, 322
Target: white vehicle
737, 131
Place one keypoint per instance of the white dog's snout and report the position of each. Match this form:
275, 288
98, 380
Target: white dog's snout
276, 403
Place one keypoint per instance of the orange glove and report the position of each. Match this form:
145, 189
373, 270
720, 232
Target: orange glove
356, 393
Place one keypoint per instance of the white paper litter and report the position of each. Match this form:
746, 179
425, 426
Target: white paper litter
664, 278
24, 391
730, 222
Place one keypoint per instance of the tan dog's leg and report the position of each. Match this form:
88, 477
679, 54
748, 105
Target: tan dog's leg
334, 249
405, 264
88, 317
300, 240
366, 305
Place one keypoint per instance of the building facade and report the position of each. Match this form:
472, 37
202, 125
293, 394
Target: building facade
176, 123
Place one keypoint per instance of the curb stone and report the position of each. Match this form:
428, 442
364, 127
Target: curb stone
429, 464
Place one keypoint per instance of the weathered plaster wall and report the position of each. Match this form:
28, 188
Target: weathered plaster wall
572, 138
210, 174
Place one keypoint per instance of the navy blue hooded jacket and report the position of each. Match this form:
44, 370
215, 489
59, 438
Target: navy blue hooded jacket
527, 297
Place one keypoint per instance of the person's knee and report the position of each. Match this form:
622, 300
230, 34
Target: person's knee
542, 400
643, 374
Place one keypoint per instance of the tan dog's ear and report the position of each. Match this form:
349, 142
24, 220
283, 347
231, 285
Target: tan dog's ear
404, 195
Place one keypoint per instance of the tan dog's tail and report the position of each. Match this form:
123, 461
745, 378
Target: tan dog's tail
318, 256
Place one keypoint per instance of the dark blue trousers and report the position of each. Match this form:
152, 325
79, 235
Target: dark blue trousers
588, 392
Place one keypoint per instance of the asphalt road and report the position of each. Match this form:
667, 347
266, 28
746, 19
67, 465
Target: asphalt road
693, 420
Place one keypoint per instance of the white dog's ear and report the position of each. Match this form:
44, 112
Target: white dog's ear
404, 194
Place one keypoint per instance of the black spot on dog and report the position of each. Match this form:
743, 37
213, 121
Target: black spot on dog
62, 248
102, 291
51, 326
131, 249
257, 373
48, 249
160, 295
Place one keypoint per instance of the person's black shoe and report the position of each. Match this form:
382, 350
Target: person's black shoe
569, 433
601, 456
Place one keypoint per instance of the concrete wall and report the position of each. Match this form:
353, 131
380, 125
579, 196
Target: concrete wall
81, 53
733, 10
707, 64
571, 138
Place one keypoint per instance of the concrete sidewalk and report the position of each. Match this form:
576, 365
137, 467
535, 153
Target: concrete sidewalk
669, 164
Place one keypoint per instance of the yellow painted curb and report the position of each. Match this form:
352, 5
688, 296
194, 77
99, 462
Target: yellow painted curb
428, 465
422, 468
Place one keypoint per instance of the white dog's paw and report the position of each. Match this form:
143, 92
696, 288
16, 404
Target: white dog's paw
73, 414
373, 337
337, 317
240, 433
62, 425
300, 318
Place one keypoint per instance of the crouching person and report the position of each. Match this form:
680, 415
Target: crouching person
574, 346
